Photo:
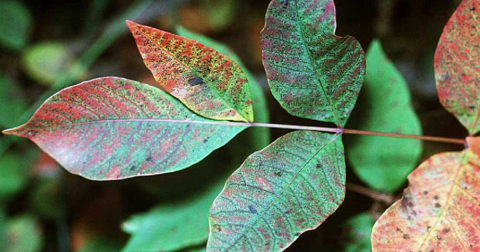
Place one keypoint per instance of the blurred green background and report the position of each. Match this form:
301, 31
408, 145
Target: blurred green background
48, 45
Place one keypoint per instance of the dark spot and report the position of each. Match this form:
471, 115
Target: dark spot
318, 166
285, 3
205, 140
435, 197
288, 211
406, 236
252, 209
278, 173
446, 230
218, 228
149, 159
438, 205
297, 234
399, 230
132, 168
428, 228
473, 9
195, 81
439, 238
431, 250
425, 192
471, 107
410, 204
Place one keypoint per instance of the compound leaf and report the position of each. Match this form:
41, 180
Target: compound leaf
312, 72
289, 187
457, 65
439, 211
206, 81
384, 163
113, 128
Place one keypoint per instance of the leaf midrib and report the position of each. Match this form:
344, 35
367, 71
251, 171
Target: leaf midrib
312, 62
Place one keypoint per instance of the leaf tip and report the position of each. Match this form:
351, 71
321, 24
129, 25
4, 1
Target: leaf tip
13, 131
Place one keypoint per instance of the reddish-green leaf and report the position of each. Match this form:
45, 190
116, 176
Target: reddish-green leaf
312, 72
113, 128
457, 65
206, 81
278, 193
439, 211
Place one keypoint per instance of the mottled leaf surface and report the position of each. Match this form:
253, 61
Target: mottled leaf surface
260, 136
174, 226
359, 231
278, 193
439, 211
113, 128
312, 72
384, 163
457, 65
206, 81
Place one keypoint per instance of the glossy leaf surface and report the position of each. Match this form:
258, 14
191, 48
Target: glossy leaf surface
312, 72
113, 128
206, 81
278, 193
439, 211
359, 231
457, 65
385, 106
260, 136
173, 226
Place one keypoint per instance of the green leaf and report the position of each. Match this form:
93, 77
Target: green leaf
113, 128
173, 226
12, 103
47, 62
384, 163
23, 235
278, 193
206, 81
13, 174
359, 230
15, 24
312, 72
260, 136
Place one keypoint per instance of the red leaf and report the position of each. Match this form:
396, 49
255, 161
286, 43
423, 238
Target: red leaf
440, 210
206, 81
457, 65
113, 128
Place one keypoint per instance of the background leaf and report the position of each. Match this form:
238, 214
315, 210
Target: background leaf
359, 230
23, 235
172, 226
312, 73
15, 24
439, 211
47, 62
457, 65
278, 193
206, 81
112, 128
381, 162
13, 174
12, 102
260, 136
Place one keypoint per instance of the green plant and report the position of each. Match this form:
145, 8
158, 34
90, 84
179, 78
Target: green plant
113, 128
